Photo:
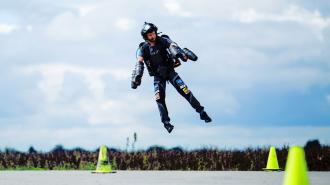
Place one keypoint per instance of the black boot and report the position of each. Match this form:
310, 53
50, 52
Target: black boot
168, 127
203, 115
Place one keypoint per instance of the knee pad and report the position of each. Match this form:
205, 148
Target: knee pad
182, 86
185, 89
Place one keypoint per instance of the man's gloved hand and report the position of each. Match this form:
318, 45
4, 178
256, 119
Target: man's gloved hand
189, 54
182, 55
137, 74
136, 79
177, 52
135, 83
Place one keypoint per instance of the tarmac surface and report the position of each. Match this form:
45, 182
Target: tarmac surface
152, 178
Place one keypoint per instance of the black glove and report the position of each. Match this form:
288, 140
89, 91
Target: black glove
177, 52
133, 85
136, 82
190, 55
137, 75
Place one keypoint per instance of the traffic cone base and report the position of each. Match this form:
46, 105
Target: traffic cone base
267, 169
103, 172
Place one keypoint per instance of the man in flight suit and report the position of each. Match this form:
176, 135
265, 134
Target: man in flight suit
158, 53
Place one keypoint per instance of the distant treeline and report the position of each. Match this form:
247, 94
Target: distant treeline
159, 158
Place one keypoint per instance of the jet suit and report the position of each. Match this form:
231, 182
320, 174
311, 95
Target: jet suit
160, 65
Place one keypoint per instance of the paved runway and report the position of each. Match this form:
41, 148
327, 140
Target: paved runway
152, 178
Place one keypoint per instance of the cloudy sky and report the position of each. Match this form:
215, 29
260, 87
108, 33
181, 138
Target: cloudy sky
263, 73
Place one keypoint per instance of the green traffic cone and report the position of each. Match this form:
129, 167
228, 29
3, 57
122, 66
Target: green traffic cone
272, 164
296, 167
103, 165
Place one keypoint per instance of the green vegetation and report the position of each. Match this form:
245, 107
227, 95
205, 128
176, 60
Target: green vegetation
159, 158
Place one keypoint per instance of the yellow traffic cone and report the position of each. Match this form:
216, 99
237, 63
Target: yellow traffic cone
272, 164
296, 167
103, 165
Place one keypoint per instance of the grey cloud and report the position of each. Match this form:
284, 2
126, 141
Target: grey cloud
234, 58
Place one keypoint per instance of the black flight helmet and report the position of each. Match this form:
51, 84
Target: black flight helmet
148, 28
